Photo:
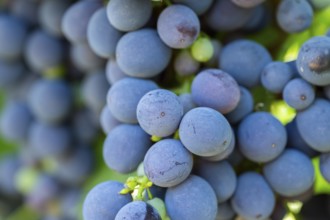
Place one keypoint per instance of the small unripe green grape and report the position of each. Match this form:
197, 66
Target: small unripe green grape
202, 49
26, 179
159, 205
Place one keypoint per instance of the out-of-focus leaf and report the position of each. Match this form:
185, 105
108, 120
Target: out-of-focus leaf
6, 147
23, 213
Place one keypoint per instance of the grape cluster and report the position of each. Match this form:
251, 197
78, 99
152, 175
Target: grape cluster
181, 91
52, 92
201, 140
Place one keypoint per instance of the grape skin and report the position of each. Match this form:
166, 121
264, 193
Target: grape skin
294, 15
222, 92
261, 137
296, 172
244, 60
104, 201
299, 94
101, 35
200, 201
178, 26
142, 54
159, 112
313, 125
129, 15
167, 163
205, 132
124, 154
253, 198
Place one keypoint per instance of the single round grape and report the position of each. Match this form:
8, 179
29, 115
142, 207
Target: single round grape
221, 93
137, 210
50, 100
124, 96
220, 175
295, 170
313, 62
167, 163
43, 51
50, 15
202, 49
261, 137
49, 140
275, 76
205, 132
314, 125
294, 15
244, 60
193, 199
75, 20
104, 201
124, 147
101, 35
142, 53
298, 94
129, 15
244, 107
15, 122
178, 26
159, 112
253, 197
12, 37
